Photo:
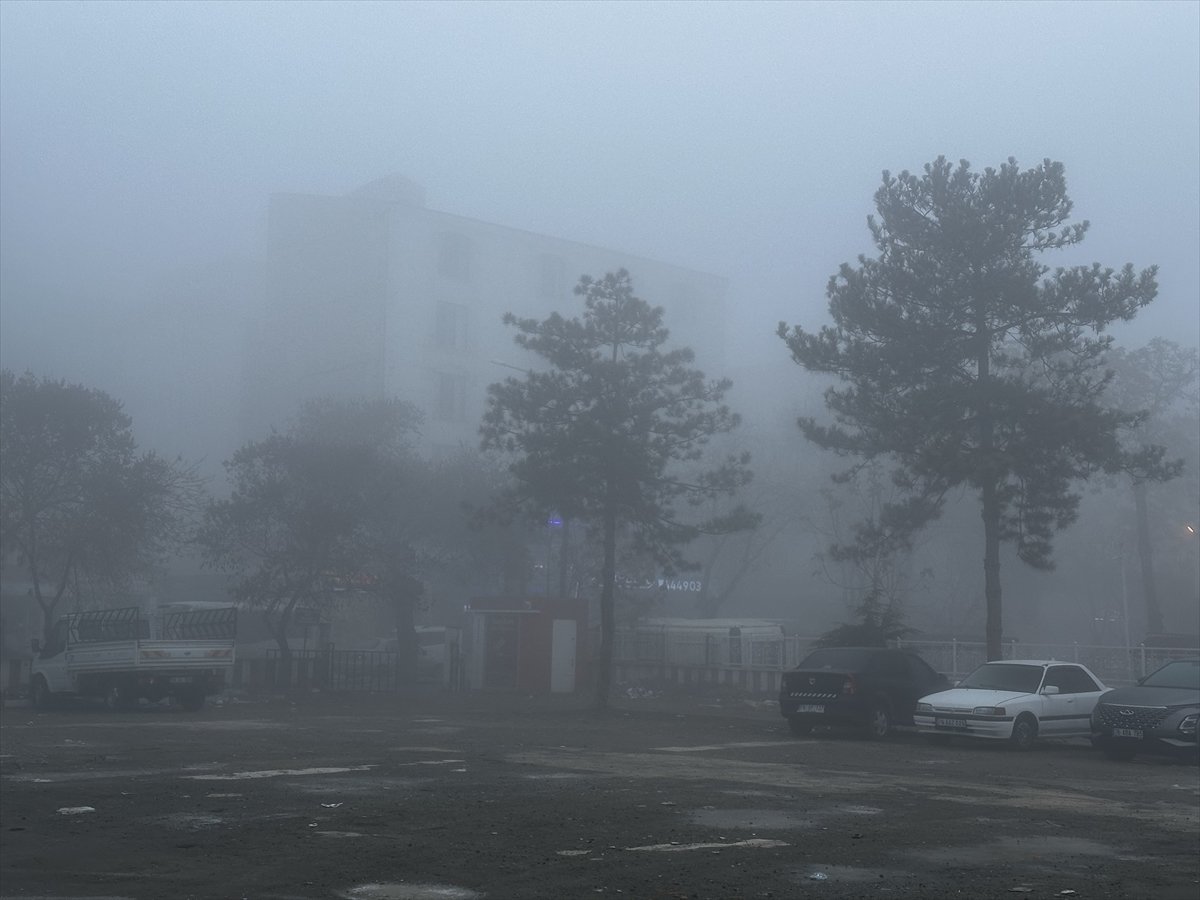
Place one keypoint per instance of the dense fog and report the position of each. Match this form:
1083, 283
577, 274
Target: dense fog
140, 144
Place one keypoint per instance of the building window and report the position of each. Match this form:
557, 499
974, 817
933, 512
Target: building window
552, 276
450, 404
454, 257
450, 332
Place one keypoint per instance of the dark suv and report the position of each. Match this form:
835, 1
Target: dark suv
872, 689
1156, 715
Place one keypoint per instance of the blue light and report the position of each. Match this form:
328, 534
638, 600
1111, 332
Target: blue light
554, 522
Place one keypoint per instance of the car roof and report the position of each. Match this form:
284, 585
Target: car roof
1033, 662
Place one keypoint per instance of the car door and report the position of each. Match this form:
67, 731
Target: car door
1067, 713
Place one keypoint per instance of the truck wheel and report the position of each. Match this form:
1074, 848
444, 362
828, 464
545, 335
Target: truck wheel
40, 693
117, 699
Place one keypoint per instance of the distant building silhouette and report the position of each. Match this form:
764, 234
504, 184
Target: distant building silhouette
373, 293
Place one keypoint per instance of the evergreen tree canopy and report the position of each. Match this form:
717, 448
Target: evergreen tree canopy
79, 505
613, 431
965, 361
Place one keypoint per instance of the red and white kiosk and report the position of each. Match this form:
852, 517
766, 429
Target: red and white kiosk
527, 644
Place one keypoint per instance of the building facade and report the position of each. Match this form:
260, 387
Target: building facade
374, 294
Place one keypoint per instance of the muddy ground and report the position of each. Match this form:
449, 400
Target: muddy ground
480, 796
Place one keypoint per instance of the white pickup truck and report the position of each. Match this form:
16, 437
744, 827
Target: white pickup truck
122, 655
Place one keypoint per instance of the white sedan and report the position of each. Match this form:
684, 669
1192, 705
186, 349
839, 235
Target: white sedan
1016, 700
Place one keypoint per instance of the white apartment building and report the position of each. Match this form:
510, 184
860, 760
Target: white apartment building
373, 293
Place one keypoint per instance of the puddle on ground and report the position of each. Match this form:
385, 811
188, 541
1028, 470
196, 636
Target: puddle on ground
356, 787
424, 750
773, 794
752, 819
404, 891
190, 821
1048, 849
279, 773
709, 845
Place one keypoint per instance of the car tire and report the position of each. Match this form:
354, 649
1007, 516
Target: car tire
799, 727
1119, 752
879, 722
1024, 733
39, 693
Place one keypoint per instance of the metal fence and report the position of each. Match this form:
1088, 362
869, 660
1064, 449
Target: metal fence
341, 670
757, 664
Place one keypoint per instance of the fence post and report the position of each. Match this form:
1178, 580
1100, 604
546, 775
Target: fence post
1143, 648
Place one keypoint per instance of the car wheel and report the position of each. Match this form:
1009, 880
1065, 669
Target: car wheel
799, 727
879, 724
1119, 752
40, 693
1024, 732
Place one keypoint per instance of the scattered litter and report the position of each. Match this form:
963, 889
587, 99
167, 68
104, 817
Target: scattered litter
818, 876
75, 810
331, 805
574, 852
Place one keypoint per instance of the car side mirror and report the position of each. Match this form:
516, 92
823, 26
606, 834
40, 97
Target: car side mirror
1050, 690
36, 646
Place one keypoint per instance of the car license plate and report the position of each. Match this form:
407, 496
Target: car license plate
1127, 732
949, 723
810, 708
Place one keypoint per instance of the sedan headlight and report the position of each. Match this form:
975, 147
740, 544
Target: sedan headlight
988, 711
928, 707
1188, 725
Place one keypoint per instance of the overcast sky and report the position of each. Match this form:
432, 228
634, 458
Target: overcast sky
743, 139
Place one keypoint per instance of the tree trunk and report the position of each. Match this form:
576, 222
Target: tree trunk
990, 503
562, 560
407, 648
608, 579
1154, 621
278, 627
991, 571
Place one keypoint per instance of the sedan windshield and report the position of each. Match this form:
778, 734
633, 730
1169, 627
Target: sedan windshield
1004, 677
1183, 673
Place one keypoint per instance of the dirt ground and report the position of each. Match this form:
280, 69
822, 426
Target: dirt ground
460, 797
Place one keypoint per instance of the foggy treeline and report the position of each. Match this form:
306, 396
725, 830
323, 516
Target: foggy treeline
138, 201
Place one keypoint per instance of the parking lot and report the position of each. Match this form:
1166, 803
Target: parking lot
437, 795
